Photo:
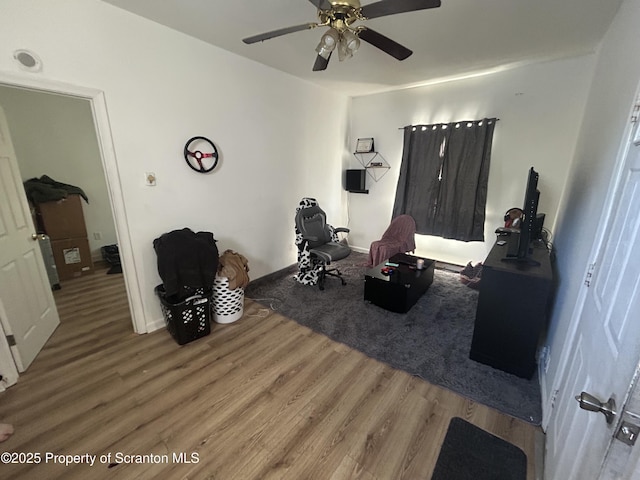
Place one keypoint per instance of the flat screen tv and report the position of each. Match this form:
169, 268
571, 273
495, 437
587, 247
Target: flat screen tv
520, 250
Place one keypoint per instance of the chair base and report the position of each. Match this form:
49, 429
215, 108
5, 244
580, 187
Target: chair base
333, 272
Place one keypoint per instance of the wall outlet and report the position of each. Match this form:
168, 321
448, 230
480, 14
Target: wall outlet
97, 235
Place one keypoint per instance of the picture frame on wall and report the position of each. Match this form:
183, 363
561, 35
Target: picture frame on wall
364, 145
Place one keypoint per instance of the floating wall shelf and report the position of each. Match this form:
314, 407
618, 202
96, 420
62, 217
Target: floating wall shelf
374, 163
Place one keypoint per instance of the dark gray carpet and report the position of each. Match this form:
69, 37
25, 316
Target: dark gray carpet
470, 453
431, 341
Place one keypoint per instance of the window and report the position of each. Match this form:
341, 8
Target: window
443, 178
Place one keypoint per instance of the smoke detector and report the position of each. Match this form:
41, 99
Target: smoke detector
27, 60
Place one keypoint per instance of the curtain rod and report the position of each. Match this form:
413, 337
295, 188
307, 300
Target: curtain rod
402, 128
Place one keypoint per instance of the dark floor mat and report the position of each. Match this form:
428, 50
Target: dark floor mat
470, 453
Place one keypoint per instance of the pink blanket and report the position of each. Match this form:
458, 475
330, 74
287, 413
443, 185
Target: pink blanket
398, 238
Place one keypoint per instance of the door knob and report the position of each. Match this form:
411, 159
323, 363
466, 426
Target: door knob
592, 404
36, 236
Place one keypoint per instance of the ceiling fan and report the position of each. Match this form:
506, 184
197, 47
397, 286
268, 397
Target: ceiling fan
339, 15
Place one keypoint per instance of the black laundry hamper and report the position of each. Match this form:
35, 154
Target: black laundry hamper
187, 264
188, 319
111, 255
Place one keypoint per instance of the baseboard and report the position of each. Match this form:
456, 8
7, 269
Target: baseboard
539, 442
156, 324
449, 267
291, 269
359, 249
547, 400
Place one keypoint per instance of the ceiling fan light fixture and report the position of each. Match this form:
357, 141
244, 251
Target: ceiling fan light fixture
340, 16
349, 44
328, 43
343, 52
351, 40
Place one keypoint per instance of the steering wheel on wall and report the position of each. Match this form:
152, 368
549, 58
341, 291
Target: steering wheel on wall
201, 154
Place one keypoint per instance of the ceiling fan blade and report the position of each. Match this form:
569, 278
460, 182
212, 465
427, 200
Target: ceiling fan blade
385, 44
321, 4
391, 7
277, 33
321, 63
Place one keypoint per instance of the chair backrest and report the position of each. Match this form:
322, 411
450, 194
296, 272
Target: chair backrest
311, 221
402, 227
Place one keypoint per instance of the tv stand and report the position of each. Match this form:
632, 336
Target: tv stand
511, 253
512, 310
523, 261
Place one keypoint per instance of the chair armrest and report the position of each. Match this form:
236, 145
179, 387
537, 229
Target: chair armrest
341, 229
313, 238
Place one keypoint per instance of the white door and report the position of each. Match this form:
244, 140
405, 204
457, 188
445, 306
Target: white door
27, 308
607, 346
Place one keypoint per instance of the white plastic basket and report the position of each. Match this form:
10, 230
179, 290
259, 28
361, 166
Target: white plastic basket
228, 305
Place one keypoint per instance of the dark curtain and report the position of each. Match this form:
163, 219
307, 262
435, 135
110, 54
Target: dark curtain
443, 178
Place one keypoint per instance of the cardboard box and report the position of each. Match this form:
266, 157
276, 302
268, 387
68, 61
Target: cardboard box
72, 257
63, 219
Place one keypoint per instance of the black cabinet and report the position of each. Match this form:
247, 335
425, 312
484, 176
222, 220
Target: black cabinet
399, 291
512, 311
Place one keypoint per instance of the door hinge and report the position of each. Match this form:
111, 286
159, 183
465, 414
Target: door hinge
636, 110
11, 340
587, 280
554, 397
635, 113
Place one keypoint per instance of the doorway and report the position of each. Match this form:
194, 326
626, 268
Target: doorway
112, 226
54, 135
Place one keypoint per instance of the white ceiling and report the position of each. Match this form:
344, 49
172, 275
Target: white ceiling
459, 38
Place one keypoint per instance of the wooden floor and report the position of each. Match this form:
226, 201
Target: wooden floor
261, 398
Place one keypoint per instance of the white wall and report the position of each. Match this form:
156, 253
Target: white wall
607, 118
540, 107
54, 135
161, 88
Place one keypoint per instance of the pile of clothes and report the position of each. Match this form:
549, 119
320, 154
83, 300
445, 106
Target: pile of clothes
235, 267
187, 261
46, 189
471, 275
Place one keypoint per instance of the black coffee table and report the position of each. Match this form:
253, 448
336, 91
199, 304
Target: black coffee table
399, 291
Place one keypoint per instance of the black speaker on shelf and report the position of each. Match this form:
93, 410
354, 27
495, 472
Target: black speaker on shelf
356, 181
